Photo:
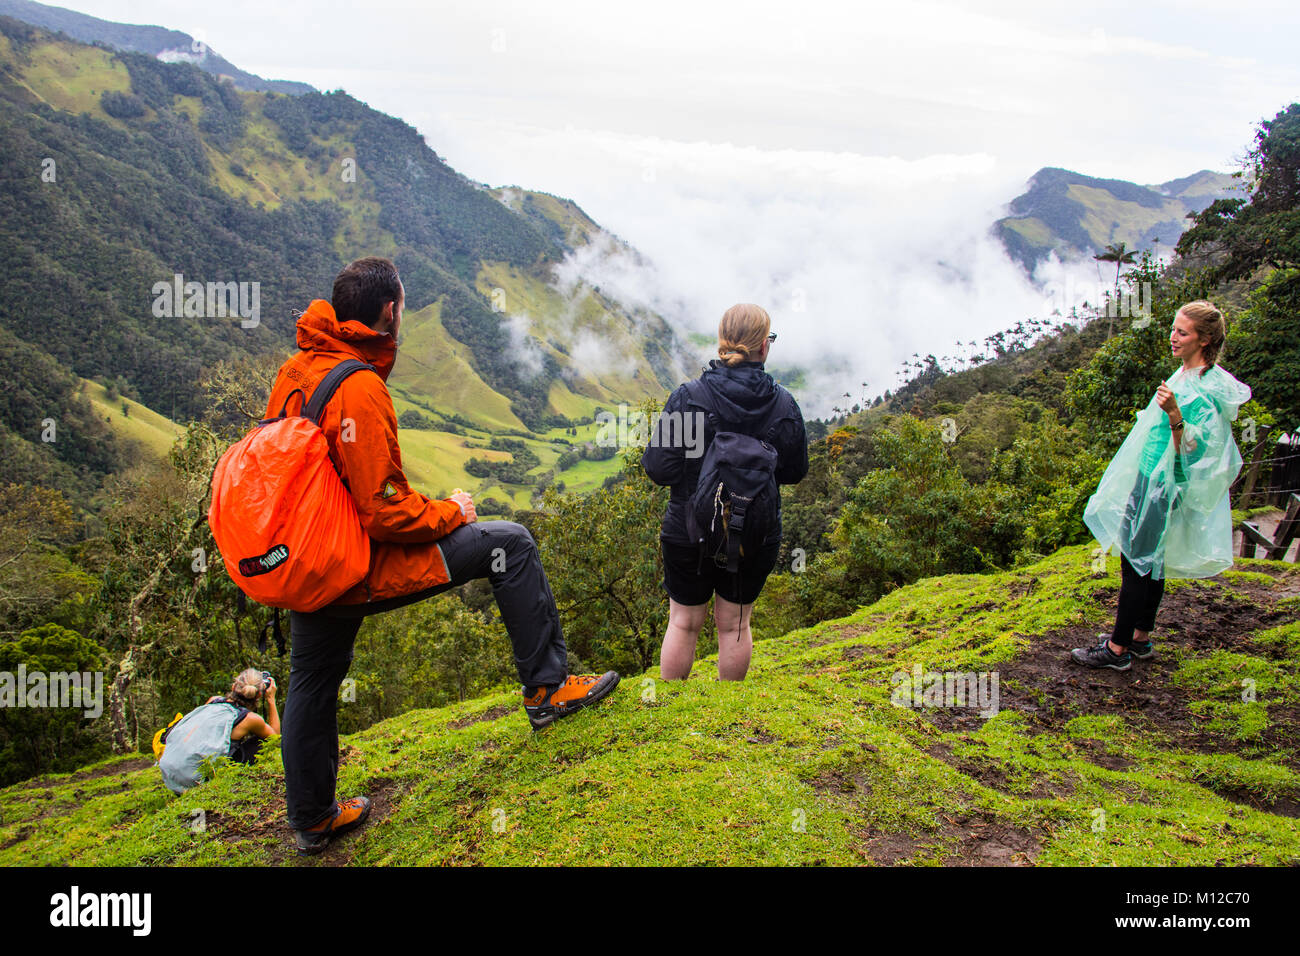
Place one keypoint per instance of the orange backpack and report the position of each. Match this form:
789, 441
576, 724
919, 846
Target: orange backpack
287, 528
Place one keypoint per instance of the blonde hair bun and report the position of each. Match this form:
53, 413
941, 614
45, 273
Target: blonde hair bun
742, 332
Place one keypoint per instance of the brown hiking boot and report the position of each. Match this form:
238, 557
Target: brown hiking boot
347, 816
548, 704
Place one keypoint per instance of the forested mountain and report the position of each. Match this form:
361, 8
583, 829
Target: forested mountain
167, 45
121, 172
1073, 215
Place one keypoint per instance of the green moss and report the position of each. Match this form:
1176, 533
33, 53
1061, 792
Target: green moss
806, 762
1248, 577
1284, 636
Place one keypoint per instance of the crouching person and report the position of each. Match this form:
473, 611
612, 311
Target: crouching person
224, 727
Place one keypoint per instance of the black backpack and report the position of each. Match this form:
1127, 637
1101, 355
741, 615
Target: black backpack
734, 505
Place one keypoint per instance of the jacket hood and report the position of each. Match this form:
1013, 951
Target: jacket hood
319, 330
744, 394
1222, 388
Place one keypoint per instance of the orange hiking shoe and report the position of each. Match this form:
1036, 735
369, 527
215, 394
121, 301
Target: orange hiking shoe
347, 816
547, 705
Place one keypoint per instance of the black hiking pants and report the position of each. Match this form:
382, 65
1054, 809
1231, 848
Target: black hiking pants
1145, 519
1139, 600
322, 643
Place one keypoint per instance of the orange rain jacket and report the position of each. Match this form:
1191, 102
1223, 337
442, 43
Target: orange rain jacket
404, 526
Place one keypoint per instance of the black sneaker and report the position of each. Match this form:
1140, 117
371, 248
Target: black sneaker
1100, 655
1142, 650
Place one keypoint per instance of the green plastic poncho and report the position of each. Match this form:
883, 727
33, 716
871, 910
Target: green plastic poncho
1165, 510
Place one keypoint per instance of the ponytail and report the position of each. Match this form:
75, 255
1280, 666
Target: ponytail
741, 334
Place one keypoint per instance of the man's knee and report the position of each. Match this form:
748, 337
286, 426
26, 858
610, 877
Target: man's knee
514, 533
509, 542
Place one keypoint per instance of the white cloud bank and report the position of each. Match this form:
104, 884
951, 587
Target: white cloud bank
860, 260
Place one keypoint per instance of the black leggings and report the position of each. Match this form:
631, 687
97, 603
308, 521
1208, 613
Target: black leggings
1139, 599
245, 749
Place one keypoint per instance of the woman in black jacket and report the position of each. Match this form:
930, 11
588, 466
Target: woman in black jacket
745, 399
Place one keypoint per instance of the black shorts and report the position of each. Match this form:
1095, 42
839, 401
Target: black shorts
685, 586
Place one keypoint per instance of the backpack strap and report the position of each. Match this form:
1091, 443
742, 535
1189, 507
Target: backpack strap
324, 391
272, 625
701, 395
735, 526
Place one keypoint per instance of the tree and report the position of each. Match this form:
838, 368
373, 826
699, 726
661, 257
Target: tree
1121, 256
1263, 349
38, 584
235, 393
152, 532
1054, 473
1237, 236
49, 737
412, 419
1122, 375
913, 517
602, 555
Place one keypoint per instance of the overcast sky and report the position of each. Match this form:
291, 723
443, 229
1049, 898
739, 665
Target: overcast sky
838, 164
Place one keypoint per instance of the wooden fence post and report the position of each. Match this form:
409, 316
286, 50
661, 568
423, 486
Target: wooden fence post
1252, 474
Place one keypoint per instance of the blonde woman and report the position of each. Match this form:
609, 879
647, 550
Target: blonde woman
250, 688
223, 727
737, 404
1163, 501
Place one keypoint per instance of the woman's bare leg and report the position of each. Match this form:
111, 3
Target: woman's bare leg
678, 652
735, 642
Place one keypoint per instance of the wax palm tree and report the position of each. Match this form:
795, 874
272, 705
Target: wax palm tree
1121, 256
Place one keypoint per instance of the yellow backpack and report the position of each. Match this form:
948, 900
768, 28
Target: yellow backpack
160, 738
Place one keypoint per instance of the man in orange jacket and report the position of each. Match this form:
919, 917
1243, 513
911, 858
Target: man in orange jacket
419, 547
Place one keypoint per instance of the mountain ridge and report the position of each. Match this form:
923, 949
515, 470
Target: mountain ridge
162, 42
1074, 215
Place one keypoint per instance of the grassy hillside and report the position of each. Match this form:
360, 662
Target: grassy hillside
137, 422
807, 761
562, 219
433, 366
592, 337
434, 461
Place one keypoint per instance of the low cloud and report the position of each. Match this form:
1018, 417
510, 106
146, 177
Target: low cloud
861, 260
525, 353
